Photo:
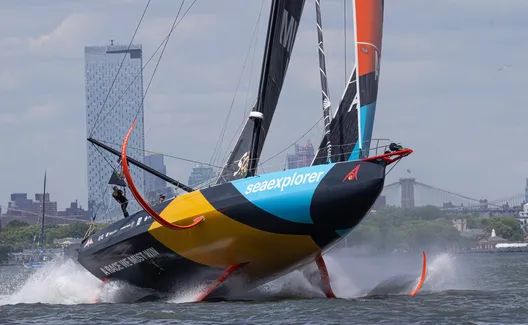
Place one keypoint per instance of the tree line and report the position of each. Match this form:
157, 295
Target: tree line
19, 235
428, 228
388, 228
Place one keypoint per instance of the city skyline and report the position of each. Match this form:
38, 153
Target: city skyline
424, 102
23, 208
114, 99
302, 156
200, 174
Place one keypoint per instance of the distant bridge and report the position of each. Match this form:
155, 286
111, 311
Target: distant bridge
408, 193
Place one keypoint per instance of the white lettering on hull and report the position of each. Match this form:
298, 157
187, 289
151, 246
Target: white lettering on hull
283, 182
129, 261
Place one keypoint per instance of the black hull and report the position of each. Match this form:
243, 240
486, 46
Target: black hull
238, 228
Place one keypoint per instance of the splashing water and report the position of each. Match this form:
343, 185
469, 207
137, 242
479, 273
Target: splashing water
444, 273
64, 281
441, 274
67, 282
57, 282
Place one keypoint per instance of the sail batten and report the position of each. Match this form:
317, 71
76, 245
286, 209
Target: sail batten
282, 32
324, 82
343, 126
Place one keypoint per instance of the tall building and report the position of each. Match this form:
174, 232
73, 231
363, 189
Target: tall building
20, 205
154, 186
50, 206
302, 157
20, 201
122, 100
152, 182
526, 192
200, 174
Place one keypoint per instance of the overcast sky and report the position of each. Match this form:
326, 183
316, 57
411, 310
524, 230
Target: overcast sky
440, 92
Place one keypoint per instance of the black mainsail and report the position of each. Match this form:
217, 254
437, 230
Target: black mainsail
282, 31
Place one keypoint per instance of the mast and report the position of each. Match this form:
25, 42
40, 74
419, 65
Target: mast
324, 82
43, 215
257, 118
282, 32
344, 126
257, 115
352, 123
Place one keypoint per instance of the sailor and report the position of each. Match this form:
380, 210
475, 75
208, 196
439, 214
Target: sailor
395, 147
120, 197
161, 198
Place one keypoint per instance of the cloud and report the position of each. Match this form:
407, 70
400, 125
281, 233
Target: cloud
440, 92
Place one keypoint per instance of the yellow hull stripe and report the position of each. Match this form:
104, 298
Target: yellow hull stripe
221, 241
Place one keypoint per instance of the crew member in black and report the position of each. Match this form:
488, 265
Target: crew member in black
395, 147
161, 198
120, 197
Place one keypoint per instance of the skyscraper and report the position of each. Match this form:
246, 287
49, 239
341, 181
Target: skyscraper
152, 182
154, 186
122, 100
200, 174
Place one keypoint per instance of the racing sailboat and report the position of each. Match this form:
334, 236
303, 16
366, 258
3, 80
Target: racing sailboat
258, 227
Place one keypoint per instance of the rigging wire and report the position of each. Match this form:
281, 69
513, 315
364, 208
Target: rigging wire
253, 60
104, 185
146, 64
226, 123
119, 69
166, 155
346, 84
161, 56
164, 44
105, 158
291, 145
345, 36
248, 108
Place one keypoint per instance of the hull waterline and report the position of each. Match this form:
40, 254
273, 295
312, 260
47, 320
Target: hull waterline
271, 223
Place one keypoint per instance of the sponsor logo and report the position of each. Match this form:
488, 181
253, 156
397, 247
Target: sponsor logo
110, 233
242, 165
88, 243
355, 103
353, 175
288, 30
130, 224
101, 237
284, 182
